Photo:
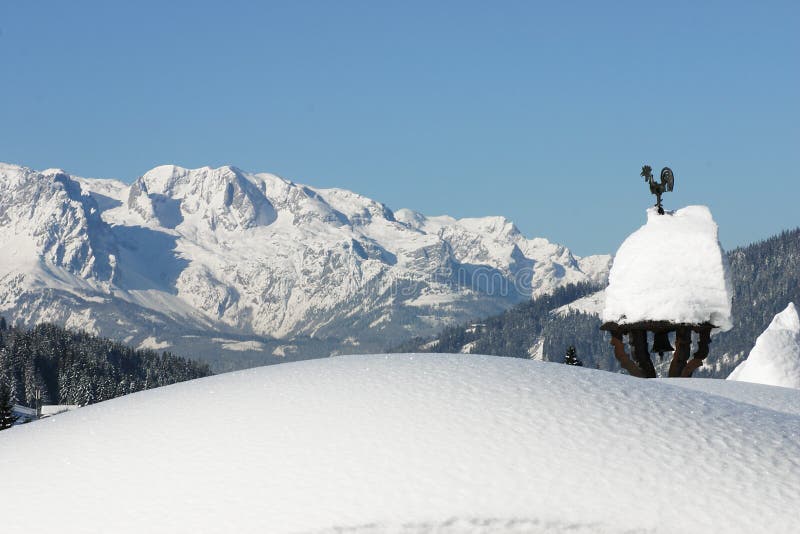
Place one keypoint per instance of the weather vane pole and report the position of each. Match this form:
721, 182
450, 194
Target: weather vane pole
666, 185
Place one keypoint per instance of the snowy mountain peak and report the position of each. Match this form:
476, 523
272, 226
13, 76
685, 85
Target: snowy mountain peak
256, 254
53, 172
493, 225
412, 218
47, 221
775, 358
358, 209
175, 180
222, 197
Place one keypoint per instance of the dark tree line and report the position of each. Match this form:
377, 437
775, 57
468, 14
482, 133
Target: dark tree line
51, 365
513, 332
7, 417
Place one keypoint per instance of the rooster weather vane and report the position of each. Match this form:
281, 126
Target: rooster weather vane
666, 185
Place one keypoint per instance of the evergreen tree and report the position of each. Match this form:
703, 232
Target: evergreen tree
7, 417
3, 325
51, 364
571, 358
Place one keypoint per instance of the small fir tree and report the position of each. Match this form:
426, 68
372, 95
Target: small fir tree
571, 358
7, 417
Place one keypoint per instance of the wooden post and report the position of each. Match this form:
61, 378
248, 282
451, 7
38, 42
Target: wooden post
702, 352
641, 354
638, 362
683, 347
622, 356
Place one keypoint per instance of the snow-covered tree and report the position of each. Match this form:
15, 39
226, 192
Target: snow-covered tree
7, 417
51, 364
571, 358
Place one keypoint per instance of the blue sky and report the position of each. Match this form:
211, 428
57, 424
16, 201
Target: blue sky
540, 111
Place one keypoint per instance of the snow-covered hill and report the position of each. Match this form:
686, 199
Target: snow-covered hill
412, 443
184, 251
775, 359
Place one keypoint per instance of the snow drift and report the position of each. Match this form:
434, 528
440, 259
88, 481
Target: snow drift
775, 359
408, 443
671, 269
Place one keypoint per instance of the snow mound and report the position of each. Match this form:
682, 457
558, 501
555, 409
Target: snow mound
407, 443
671, 269
775, 359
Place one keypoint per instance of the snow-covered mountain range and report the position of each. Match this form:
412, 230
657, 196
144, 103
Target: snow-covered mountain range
219, 260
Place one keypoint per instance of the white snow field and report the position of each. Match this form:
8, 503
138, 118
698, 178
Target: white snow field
409, 443
778, 399
671, 269
775, 359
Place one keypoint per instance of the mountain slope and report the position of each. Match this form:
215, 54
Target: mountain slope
412, 443
183, 252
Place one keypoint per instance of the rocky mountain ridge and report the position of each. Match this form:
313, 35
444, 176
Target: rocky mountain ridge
183, 257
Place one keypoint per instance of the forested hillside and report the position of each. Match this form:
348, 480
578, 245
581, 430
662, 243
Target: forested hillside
765, 277
528, 330
60, 366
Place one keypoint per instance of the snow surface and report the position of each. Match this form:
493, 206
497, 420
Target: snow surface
671, 269
773, 398
775, 359
409, 443
48, 410
241, 345
153, 344
590, 304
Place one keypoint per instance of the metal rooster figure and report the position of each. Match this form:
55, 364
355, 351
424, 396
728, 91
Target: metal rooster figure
666, 185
